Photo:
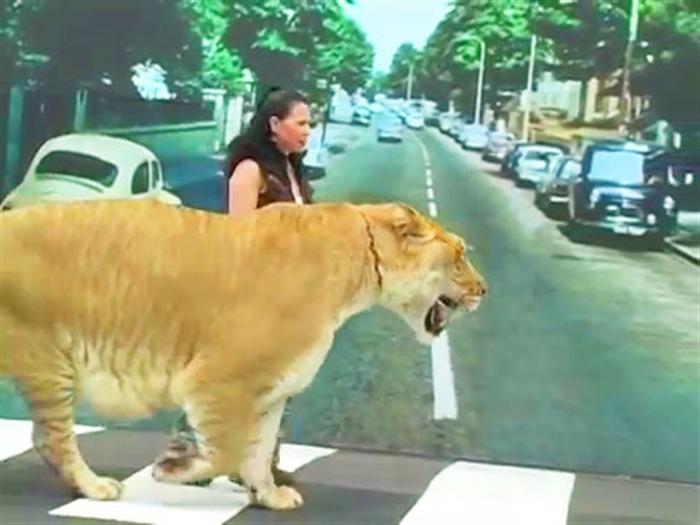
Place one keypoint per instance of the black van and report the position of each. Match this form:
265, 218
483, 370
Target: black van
624, 188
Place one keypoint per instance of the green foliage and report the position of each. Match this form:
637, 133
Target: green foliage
16, 56
397, 79
295, 43
221, 67
577, 40
86, 41
590, 39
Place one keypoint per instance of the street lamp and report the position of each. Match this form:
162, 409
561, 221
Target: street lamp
528, 91
480, 80
625, 110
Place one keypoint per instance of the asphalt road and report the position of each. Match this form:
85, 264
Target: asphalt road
584, 356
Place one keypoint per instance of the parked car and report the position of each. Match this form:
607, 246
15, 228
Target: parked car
389, 127
515, 150
497, 146
315, 159
474, 136
456, 126
624, 188
509, 161
685, 178
552, 190
445, 121
90, 166
534, 163
415, 120
362, 115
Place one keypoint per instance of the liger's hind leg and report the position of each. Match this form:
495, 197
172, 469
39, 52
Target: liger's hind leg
51, 400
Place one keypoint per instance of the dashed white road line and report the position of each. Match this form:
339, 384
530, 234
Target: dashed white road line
444, 395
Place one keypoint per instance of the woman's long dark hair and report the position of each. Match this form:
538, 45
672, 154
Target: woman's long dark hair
256, 141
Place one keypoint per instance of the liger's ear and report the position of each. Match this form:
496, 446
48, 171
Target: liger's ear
411, 226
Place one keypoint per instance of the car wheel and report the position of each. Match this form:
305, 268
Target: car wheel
538, 200
654, 241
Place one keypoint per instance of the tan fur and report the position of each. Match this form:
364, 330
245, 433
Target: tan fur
137, 306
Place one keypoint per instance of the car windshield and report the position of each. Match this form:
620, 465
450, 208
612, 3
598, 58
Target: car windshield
78, 165
622, 167
541, 155
500, 138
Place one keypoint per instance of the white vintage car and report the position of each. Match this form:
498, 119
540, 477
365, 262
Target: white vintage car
87, 167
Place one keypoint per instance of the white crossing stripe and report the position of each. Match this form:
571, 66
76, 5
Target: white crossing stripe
444, 396
17, 436
431, 194
494, 495
146, 500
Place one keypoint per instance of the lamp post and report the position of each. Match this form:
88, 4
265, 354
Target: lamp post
322, 84
626, 97
480, 79
528, 91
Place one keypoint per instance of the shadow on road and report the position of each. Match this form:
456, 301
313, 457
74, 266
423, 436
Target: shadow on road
583, 235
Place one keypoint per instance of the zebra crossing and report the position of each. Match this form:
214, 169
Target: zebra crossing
339, 487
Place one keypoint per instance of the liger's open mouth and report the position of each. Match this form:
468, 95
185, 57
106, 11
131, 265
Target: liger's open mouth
439, 313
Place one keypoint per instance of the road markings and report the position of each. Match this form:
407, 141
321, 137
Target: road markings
432, 209
145, 500
476, 493
444, 394
17, 436
445, 398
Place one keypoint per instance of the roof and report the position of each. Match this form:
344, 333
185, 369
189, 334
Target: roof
111, 149
626, 145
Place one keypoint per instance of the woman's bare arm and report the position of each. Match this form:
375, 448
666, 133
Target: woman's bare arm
244, 187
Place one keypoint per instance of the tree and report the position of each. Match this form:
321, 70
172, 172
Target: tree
590, 38
221, 66
16, 57
292, 43
85, 42
344, 52
405, 58
452, 57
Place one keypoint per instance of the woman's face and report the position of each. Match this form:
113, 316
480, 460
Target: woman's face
291, 133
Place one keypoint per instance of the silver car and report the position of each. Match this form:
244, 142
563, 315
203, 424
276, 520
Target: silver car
552, 190
534, 164
389, 127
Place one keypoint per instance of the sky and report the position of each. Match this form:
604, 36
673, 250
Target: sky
390, 23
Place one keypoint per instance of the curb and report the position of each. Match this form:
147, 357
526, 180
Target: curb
683, 251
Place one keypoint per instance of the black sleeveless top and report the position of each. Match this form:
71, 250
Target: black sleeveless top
273, 165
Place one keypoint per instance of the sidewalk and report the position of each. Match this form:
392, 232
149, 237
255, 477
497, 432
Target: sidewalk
686, 242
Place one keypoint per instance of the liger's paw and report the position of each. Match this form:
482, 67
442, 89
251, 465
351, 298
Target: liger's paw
171, 469
103, 489
279, 498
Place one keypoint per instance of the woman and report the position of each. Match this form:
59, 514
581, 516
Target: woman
263, 166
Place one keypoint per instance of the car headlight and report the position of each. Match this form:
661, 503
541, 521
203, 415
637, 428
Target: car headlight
669, 204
